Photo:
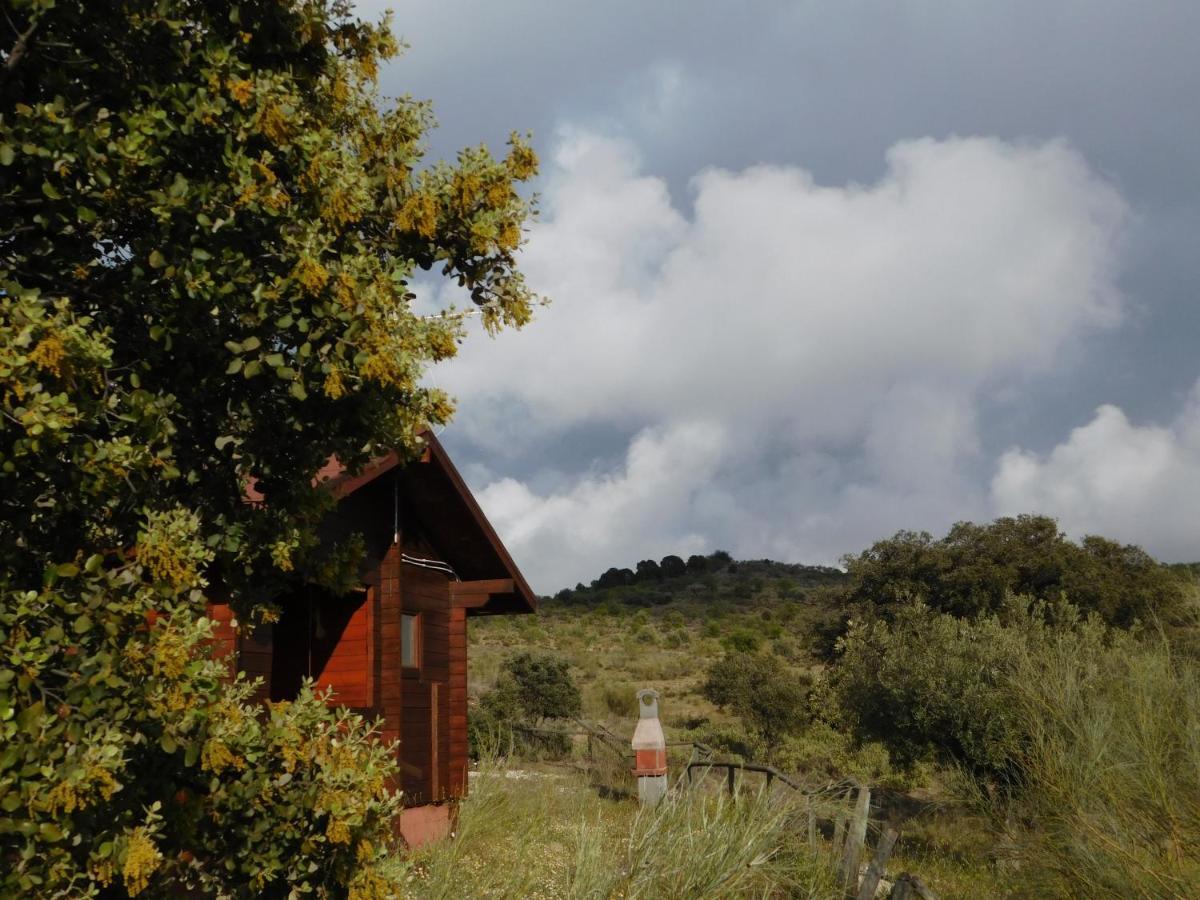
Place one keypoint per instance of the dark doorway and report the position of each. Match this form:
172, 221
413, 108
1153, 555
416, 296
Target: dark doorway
327, 638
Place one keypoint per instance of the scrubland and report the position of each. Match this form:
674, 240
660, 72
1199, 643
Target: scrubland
1025, 747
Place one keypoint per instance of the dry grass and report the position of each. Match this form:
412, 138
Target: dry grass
528, 834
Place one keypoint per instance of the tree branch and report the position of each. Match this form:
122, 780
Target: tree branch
20, 47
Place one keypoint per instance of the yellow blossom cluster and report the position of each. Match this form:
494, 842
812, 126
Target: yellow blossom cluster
49, 354
240, 90
72, 794
171, 550
311, 274
418, 214
142, 858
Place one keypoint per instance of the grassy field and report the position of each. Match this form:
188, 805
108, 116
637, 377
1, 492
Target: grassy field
618, 640
1110, 766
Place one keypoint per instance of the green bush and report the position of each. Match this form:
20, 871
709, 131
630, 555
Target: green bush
933, 686
771, 700
532, 689
742, 640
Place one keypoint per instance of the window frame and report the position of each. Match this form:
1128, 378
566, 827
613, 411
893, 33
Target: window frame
418, 643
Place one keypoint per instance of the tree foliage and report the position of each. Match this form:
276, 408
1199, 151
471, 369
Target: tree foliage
672, 566
532, 688
209, 225
974, 568
771, 700
932, 685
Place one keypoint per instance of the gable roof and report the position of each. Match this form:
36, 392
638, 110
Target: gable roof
450, 513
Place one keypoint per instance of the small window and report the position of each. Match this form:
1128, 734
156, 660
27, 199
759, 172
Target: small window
410, 641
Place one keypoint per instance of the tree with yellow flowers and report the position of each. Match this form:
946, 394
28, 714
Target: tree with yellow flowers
209, 226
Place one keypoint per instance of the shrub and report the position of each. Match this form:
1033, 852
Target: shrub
531, 689
770, 700
742, 640
930, 685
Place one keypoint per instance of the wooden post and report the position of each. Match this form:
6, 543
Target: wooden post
839, 831
730, 778
875, 870
909, 886
856, 836
921, 889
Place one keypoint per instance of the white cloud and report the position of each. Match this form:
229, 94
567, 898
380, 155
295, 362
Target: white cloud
803, 362
640, 511
1136, 483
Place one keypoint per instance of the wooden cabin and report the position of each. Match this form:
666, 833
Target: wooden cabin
396, 648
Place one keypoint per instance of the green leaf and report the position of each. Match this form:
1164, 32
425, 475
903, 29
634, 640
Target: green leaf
7, 154
157, 260
252, 343
67, 570
252, 368
274, 360
234, 367
168, 744
83, 624
297, 390
224, 441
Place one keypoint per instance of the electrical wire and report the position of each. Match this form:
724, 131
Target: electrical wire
436, 564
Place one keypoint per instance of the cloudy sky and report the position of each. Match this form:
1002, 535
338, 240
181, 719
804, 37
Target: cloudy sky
825, 270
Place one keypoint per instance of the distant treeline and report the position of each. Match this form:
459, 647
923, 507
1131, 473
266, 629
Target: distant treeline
671, 570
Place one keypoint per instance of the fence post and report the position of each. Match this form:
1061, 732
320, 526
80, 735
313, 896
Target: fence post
729, 774
839, 831
856, 836
875, 870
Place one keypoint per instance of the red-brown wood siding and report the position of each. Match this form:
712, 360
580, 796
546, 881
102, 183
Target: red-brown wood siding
389, 697
224, 637
425, 732
457, 702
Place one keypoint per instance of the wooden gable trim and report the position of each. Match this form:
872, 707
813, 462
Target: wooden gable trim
522, 588
345, 484
474, 594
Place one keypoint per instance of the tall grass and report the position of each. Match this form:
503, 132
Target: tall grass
529, 835
699, 845
1112, 775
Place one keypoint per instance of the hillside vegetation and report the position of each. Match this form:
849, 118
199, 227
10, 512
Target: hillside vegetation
980, 682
